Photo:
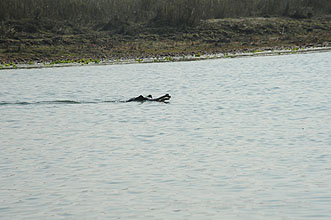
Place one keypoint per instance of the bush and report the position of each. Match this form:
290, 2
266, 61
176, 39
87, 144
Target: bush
171, 12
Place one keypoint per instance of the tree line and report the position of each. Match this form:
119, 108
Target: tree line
172, 12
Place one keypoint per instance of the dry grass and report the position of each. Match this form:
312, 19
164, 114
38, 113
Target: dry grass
173, 12
210, 36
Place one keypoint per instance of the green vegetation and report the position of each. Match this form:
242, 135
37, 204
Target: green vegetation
168, 59
139, 60
295, 50
226, 55
10, 65
81, 61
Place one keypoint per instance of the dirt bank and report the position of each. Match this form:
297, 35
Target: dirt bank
45, 41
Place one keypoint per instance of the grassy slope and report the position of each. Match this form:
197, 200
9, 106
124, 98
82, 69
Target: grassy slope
44, 41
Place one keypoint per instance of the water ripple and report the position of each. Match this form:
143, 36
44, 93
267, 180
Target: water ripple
245, 138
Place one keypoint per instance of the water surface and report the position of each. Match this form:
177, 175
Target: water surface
244, 138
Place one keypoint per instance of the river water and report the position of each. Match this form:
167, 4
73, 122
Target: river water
244, 138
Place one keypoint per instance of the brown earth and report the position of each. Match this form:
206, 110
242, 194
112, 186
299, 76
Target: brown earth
45, 41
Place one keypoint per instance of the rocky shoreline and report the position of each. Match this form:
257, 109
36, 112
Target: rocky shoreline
67, 45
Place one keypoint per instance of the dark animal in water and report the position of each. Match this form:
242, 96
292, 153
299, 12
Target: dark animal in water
141, 98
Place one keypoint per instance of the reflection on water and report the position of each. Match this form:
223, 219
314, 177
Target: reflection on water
245, 138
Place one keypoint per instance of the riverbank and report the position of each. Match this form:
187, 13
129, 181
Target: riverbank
62, 63
31, 43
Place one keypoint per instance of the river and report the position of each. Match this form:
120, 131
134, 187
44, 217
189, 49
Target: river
243, 138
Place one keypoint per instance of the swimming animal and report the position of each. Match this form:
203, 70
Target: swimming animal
141, 98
